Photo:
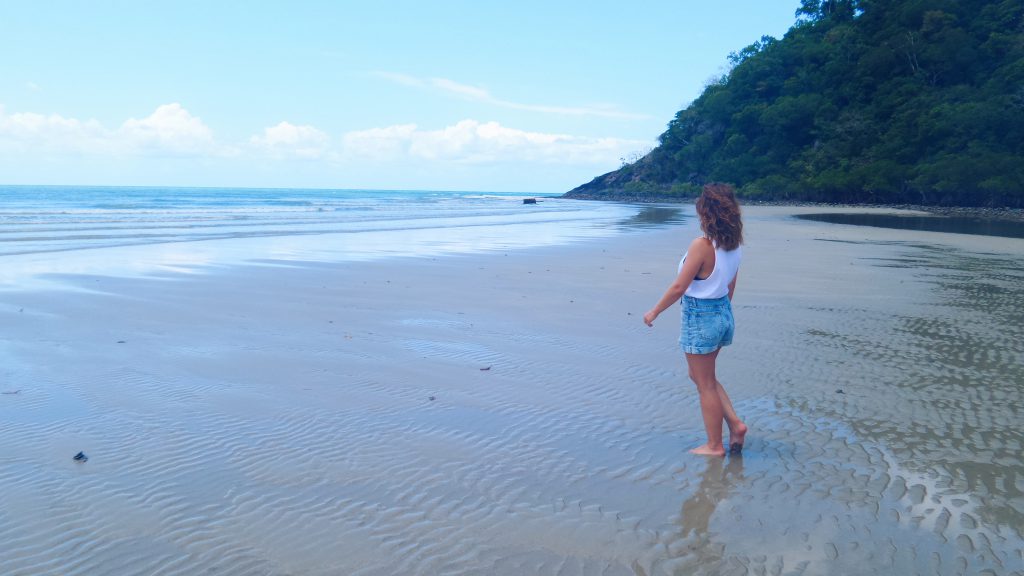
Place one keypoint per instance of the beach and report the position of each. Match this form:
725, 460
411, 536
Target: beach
506, 411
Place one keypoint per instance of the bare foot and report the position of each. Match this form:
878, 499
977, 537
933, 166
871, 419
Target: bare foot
706, 450
736, 436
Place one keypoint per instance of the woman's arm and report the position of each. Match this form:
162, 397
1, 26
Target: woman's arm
732, 285
699, 251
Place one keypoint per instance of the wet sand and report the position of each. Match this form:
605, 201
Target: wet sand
510, 414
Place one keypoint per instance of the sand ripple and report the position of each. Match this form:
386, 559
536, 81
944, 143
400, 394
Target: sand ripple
349, 434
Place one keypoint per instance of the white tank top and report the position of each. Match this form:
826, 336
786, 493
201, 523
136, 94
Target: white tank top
727, 264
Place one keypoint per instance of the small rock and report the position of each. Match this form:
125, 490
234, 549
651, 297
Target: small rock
485, 369
120, 341
431, 398
840, 391
81, 457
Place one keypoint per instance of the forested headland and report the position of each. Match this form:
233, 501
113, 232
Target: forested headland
862, 101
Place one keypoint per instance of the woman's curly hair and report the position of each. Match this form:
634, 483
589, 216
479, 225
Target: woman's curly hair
720, 215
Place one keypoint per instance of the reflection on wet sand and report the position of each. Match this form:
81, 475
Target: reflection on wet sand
952, 224
511, 415
896, 395
720, 476
655, 216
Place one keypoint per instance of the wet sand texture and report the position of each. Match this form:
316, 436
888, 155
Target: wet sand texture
319, 419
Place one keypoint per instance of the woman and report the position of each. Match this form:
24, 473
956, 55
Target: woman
706, 282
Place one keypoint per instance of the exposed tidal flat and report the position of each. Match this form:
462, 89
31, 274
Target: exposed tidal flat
507, 412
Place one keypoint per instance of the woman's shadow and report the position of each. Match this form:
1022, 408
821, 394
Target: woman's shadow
716, 482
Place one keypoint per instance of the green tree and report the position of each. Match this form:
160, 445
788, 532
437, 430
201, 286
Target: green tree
887, 101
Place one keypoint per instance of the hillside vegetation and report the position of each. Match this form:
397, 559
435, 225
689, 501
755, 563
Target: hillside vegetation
862, 101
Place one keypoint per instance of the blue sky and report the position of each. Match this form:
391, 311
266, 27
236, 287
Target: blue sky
532, 96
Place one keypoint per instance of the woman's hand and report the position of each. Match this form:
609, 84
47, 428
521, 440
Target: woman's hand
649, 317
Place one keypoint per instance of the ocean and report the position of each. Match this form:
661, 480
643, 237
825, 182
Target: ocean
49, 231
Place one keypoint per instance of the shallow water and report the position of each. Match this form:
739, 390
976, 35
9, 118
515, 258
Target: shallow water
127, 231
952, 224
897, 398
353, 429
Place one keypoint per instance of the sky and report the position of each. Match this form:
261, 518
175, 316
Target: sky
525, 96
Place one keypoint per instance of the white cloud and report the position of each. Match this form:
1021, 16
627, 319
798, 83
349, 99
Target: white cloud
465, 90
477, 94
170, 129
470, 150
387, 143
471, 141
51, 133
403, 79
286, 139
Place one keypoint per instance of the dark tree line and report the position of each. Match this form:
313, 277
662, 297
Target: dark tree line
862, 101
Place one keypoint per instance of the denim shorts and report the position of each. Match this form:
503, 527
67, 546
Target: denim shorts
707, 324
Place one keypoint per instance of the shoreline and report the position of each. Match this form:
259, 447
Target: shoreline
1007, 214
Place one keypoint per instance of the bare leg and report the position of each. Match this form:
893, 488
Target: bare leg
702, 372
737, 429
